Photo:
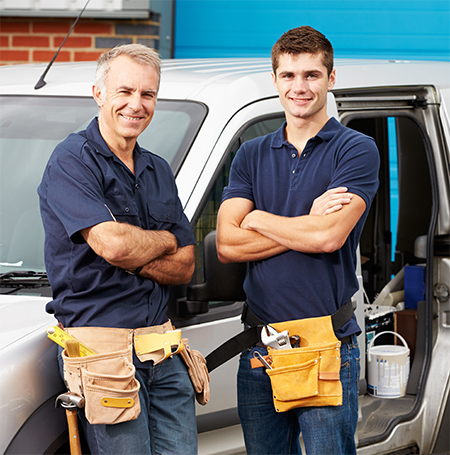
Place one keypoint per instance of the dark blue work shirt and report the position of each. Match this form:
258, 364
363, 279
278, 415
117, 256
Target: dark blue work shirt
84, 184
269, 172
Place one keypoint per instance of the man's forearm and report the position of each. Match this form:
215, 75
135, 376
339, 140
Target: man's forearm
242, 245
308, 233
172, 269
127, 246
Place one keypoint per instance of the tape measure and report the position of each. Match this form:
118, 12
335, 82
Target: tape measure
59, 336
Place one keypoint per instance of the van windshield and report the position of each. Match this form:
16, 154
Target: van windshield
31, 127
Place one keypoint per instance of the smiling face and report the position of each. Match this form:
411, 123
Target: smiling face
302, 83
127, 103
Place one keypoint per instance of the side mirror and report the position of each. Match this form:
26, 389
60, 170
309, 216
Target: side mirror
223, 282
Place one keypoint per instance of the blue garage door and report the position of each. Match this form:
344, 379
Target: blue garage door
400, 29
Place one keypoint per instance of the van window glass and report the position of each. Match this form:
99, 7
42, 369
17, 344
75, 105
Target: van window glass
31, 127
207, 219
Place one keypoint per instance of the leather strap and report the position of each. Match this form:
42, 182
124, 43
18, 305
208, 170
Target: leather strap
252, 335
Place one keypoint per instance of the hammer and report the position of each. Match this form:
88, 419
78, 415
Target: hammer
70, 402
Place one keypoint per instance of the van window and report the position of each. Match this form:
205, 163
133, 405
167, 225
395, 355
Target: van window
206, 221
31, 127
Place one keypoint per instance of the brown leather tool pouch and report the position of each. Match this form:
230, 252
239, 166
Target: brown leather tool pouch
106, 379
307, 375
198, 372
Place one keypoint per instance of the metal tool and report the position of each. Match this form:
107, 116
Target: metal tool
258, 356
71, 402
274, 339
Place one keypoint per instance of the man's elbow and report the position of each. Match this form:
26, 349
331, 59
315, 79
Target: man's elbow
187, 273
225, 254
330, 244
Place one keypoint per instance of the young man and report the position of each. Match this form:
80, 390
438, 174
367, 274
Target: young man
302, 265
116, 236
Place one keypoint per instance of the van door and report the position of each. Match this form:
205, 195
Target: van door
403, 257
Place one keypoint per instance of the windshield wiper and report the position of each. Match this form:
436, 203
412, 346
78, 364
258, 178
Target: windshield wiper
18, 279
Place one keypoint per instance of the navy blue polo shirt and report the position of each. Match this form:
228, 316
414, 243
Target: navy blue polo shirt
84, 184
268, 171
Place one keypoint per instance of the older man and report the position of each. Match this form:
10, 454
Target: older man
116, 236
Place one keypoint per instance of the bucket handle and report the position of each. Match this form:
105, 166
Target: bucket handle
383, 333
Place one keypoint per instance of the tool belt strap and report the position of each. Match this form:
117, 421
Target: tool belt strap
155, 343
252, 335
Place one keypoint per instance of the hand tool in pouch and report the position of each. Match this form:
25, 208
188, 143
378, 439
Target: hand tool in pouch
59, 336
71, 402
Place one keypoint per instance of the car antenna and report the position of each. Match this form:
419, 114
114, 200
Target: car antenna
40, 83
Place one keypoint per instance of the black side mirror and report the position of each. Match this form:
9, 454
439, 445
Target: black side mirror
223, 282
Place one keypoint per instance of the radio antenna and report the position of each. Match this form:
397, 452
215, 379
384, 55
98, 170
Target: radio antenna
41, 82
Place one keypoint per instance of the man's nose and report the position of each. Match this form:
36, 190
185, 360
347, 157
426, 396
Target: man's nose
135, 101
300, 85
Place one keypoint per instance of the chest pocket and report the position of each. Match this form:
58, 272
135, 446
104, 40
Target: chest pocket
161, 215
122, 209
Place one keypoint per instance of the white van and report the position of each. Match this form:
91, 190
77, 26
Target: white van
205, 111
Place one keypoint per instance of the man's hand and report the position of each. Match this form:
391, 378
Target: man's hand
331, 201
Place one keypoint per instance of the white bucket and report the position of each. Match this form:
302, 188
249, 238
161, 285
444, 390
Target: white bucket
388, 368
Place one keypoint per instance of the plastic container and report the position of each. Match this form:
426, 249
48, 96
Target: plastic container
388, 368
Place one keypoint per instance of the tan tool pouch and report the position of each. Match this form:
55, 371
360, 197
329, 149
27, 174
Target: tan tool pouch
198, 372
308, 375
107, 379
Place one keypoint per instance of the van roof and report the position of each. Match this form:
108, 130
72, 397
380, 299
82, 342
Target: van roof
203, 79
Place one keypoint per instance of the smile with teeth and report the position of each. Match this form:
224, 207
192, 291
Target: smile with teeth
131, 119
301, 100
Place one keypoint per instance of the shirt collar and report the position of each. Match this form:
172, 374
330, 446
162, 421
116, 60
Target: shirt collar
141, 160
325, 134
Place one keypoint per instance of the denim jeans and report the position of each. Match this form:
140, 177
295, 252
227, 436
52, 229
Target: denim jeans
327, 430
166, 424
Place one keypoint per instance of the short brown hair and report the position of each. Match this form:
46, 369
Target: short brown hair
303, 40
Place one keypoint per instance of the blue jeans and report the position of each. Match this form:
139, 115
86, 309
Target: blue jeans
166, 424
327, 430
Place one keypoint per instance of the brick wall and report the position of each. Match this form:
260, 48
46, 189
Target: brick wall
34, 40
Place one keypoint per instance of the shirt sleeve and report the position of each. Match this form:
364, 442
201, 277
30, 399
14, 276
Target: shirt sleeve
240, 181
73, 192
356, 167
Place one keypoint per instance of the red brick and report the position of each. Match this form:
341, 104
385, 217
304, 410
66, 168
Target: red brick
14, 27
87, 56
4, 41
46, 56
94, 28
14, 56
73, 41
51, 27
31, 41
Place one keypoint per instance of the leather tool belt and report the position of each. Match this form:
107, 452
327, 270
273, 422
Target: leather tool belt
107, 379
252, 335
307, 375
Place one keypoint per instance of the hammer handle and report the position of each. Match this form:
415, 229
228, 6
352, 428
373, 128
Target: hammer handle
74, 436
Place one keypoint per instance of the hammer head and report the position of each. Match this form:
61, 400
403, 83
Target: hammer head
70, 400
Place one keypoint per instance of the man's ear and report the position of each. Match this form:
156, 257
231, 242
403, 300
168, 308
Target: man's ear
97, 94
331, 79
274, 79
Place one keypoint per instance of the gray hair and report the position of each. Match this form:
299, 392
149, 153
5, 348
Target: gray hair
137, 52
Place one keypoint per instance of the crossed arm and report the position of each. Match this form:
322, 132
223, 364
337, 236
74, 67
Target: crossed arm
245, 234
129, 247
